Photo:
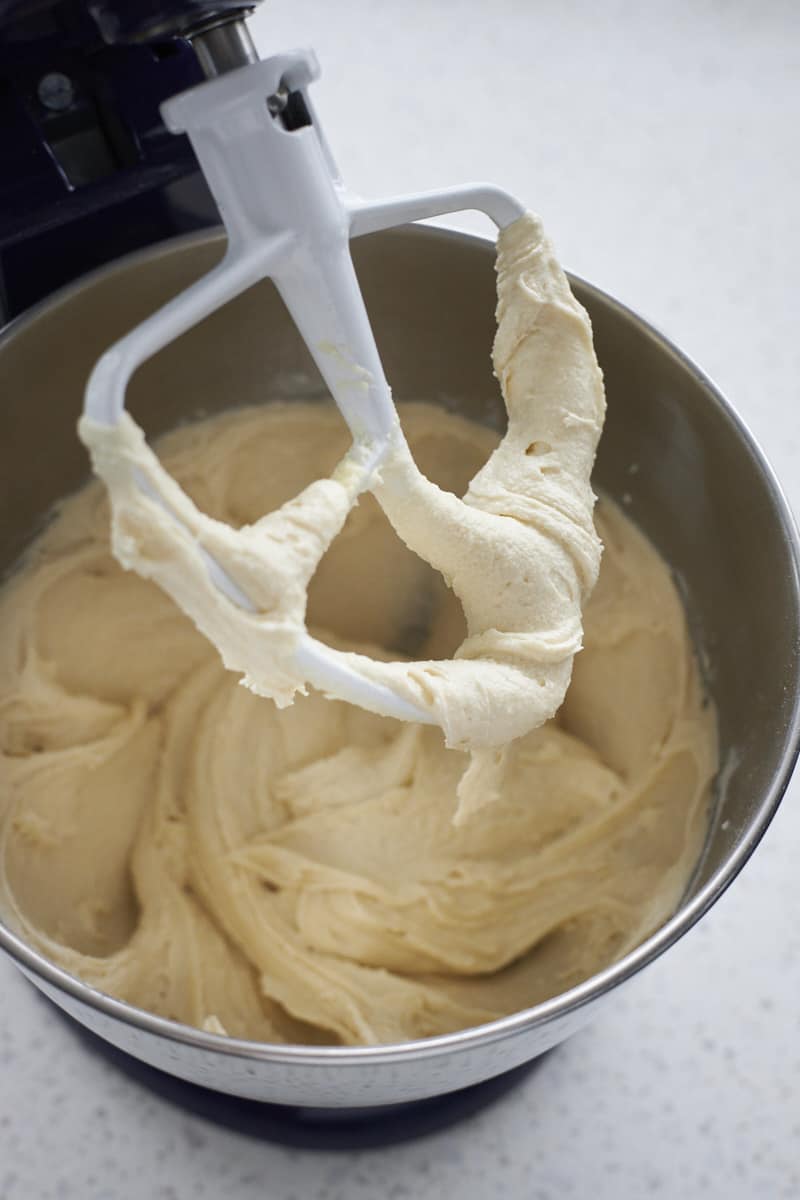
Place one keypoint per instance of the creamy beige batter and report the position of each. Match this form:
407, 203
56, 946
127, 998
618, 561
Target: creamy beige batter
519, 550
296, 874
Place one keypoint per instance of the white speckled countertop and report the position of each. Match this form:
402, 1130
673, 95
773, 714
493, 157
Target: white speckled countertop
660, 145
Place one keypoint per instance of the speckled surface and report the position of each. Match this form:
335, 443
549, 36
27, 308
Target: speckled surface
661, 148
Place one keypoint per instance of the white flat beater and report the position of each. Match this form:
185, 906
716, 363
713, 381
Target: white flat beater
288, 216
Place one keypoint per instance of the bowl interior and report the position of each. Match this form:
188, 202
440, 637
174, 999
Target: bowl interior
672, 452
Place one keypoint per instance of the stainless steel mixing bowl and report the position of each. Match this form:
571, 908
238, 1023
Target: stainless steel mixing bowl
673, 452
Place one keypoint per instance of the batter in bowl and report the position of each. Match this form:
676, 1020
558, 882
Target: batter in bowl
519, 550
296, 874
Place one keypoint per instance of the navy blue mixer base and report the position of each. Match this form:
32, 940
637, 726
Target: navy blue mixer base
306, 1128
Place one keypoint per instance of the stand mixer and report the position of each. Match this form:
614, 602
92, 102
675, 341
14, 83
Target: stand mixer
665, 417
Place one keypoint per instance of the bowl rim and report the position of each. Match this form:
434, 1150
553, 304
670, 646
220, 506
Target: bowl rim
566, 1003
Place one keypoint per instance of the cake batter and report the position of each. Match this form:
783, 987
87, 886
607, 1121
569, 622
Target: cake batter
296, 874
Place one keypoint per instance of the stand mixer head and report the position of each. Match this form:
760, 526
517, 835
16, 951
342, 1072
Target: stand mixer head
91, 172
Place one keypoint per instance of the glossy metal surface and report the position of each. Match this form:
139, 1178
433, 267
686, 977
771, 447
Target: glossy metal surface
224, 47
673, 452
